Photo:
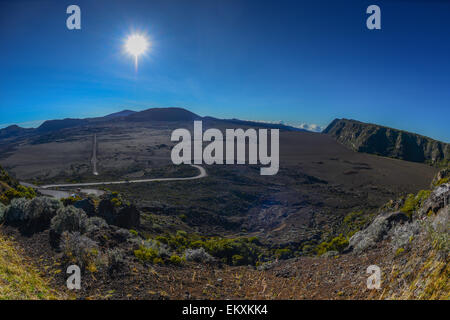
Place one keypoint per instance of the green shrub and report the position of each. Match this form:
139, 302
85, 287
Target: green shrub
151, 251
80, 250
413, 203
176, 260
31, 216
225, 249
184, 244
116, 259
338, 243
146, 254
19, 192
399, 251
70, 200
69, 219
182, 233
283, 253
94, 224
238, 260
116, 202
442, 181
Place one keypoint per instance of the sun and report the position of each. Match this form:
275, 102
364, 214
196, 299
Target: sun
136, 45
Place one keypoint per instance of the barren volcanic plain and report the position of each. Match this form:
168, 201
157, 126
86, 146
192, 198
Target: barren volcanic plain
319, 181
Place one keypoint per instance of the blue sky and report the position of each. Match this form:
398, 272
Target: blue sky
291, 61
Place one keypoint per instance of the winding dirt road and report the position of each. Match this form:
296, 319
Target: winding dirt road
46, 189
201, 175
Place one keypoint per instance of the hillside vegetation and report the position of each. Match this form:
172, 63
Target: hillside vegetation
19, 278
407, 238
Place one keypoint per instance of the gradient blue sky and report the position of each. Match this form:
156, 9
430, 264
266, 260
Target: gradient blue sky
299, 62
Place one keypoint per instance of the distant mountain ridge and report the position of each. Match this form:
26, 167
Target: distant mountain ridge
123, 113
13, 130
388, 142
173, 114
164, 114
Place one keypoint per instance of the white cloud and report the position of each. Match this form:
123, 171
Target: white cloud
310, 127
306, 126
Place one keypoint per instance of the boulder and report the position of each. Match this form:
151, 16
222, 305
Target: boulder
128, 217
87, 205
377, 231
439, 198
124, 216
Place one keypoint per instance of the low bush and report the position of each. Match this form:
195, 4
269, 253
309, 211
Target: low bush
16, 212
80, 250
116, 260
2, 212
18, 192
152, 251
222, 248
238, 260
354, 221
69, 219
441, 181
198, 255
94, 224
225, 249
338, 244
284, 253
176, 260
413, 202
116, 202
70, 200
31, 216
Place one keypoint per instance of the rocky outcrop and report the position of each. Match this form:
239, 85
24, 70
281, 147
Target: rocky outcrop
401, 229
377, 231
124, 216
388, 142
438, 199
87, 205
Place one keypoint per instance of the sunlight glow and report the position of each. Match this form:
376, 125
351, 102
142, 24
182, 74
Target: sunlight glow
136, 45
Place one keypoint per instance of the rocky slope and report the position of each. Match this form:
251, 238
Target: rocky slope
388, 142
408, 240
418, 237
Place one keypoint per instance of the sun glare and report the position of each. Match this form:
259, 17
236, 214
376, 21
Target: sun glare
136, 45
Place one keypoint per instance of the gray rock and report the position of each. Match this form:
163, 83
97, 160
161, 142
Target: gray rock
87, 205
375, 232
403, 235
439, 198
441, 222
125, 216
331, 253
